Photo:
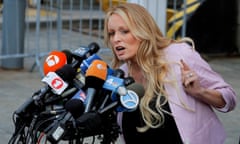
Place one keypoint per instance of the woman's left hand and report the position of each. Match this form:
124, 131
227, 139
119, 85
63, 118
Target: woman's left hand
190, 80
191, 84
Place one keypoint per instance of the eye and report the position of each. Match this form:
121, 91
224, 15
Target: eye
111, 33
124, 31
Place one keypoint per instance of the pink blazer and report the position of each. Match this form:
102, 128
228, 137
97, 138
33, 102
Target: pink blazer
201, 125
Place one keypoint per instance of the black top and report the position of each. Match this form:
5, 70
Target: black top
166, 134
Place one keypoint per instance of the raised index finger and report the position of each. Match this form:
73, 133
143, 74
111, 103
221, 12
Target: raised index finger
185, 67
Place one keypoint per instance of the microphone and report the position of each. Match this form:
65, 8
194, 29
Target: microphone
95, 122
55, 83
87, 62
116, 83
76, 57
126, 102
115, 86
66, 95
118, 73
67, 73
96, 75
58, 128
58, 81
84, 52
94, 47
113, 83
130, 101
68, 56
128, 81
54, 61
76, 104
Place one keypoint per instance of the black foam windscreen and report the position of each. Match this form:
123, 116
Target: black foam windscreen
69, 56
119, 73
75, 107
94, 47
94, 82
137, 88
67, 72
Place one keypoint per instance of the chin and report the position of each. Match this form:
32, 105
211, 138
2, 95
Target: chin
122, 58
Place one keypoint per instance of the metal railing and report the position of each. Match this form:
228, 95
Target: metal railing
64, 24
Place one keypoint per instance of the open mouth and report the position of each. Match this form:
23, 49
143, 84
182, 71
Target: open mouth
119, 48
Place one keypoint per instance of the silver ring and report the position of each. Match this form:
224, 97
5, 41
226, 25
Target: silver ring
189, 75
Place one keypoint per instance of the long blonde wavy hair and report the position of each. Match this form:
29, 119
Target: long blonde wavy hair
150, 58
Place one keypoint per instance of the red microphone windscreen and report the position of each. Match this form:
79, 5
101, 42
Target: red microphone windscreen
54, 61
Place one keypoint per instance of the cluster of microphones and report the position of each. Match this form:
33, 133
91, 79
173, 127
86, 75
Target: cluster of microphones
81, 98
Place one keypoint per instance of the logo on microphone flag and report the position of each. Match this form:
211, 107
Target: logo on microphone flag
55, 82
130, 101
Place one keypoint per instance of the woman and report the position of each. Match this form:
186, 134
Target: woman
181, 89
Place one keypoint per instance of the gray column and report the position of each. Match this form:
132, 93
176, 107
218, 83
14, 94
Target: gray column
13, 33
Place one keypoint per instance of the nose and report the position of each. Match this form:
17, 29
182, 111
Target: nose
116, 37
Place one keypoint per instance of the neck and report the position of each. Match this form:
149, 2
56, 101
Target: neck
135, 71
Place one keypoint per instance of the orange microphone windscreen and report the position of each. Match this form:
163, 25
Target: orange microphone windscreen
54, 61
98, 69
